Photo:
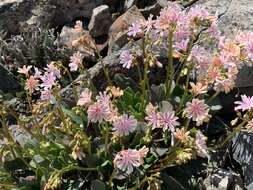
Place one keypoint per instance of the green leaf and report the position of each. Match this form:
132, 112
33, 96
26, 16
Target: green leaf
216, 108
72, 115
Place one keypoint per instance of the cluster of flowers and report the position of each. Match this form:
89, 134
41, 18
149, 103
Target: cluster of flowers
48, 80
215, 67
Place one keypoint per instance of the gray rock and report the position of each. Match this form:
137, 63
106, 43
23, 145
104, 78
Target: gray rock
154, 9
15, 13
21, 136
223, 180
118, 30
78, 40
8, 82
100, 22
242, 154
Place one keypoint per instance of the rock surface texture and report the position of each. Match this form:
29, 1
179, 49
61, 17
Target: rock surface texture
15, 13
118, 30
100, 22
242, 156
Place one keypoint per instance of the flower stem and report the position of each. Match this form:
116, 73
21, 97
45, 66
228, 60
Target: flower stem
170, 66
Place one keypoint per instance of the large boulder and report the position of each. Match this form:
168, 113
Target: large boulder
15, 13
118, 30
100, 22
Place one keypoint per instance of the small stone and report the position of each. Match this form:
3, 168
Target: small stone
100, 22
118, 30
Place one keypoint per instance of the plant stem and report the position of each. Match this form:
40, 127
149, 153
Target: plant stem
182, 101
170, 66
213, 97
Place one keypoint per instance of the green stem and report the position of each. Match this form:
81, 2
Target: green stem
182, 101
106, 139
71, 79
170, 66
213, 97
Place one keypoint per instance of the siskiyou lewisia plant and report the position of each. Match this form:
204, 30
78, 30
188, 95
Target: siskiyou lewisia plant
121, 138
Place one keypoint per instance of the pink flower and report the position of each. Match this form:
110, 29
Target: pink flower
198, 12
32, 84
103, 98
153, 117
126, 59
85, 98
134, 30
224, 85
200, 141
245, 104
97, 112
48, 80
197, 110
169, 121
76, 61
37, 73
25, 70
46, 95
169, 16
51, 68
113, 115
182, 45
127, 160
124, 125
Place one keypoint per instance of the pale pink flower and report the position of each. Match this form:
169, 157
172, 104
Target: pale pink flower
97, 112
76, 61
31, 84
37, 73
113, 115
51, 68
85, 98
103, 98
197, 110
153, 117
182, 45
200, 141
225, 85
126, 59
198, 12
168, 121
197, 89
244, 37
169, 16
134, 30
245, 104
48, 80
124, 125
46, 95
127, 160
24, 70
